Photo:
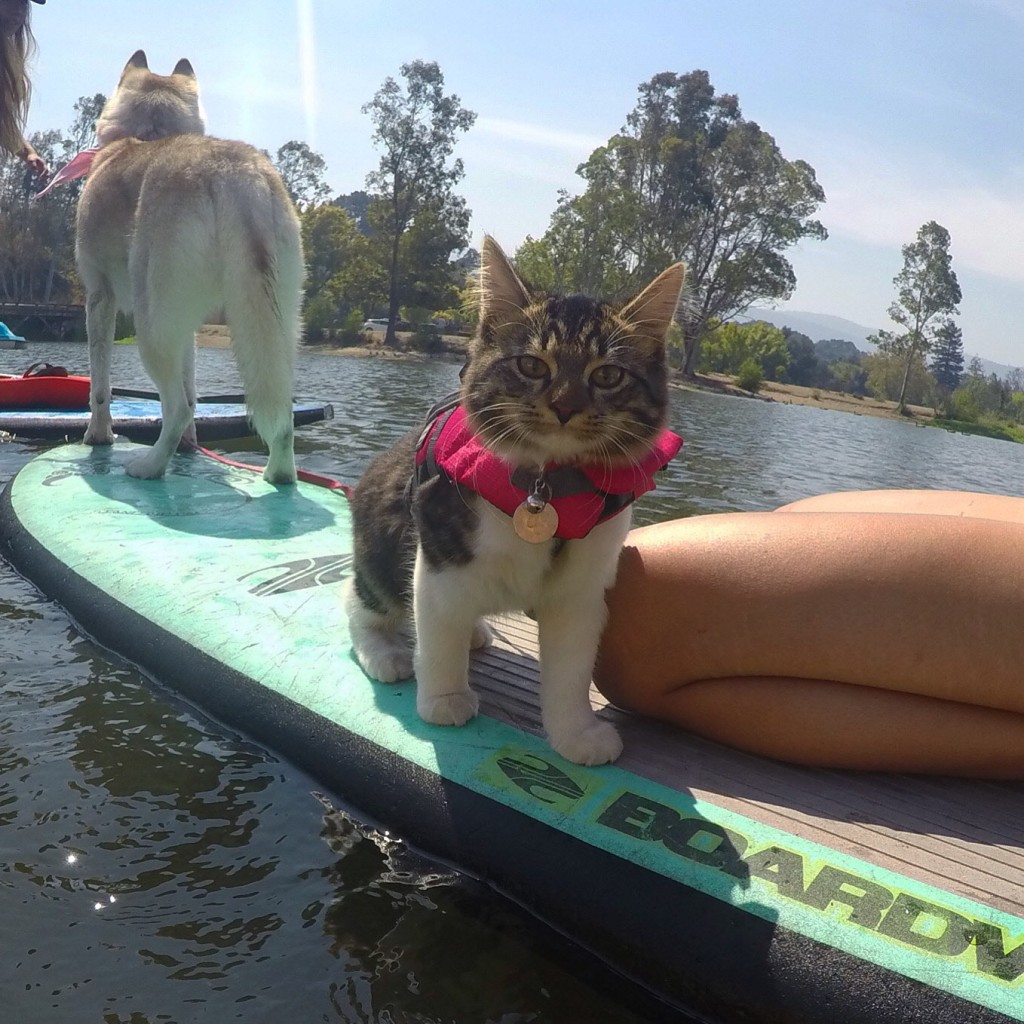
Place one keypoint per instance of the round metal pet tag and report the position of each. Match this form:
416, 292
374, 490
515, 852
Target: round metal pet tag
535, 523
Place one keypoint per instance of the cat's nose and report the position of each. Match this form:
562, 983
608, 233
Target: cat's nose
564, 411
567, 398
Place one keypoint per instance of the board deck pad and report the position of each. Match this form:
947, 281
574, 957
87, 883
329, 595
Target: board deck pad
230, 590
138, 419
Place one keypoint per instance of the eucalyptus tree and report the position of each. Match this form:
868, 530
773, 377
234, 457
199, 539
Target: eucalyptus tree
416, 126
302, 170
688, 178
927, 297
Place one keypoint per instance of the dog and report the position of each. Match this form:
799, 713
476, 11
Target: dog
173, 225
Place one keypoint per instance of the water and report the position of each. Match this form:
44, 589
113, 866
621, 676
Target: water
157, 867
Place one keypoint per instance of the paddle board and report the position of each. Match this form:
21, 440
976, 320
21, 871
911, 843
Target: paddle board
136, 416
229, 590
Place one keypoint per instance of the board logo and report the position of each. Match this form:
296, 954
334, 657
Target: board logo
300, 574
983, 947
517, 770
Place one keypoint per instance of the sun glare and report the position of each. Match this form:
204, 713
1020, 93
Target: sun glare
307, 67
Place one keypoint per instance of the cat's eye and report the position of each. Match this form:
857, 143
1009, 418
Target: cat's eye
532, 367
607, 376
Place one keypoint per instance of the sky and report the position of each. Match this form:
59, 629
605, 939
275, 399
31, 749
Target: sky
908, 110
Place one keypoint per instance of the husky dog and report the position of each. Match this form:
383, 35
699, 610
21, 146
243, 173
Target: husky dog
173, 225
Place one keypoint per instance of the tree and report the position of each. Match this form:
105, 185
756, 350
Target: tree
302, 170
979, 396
947, 363
928, 295
357, 205
341, 274
804, 367
835, 350
729, 346
425, 275
37, 239
887, 377
686, 178
416, 129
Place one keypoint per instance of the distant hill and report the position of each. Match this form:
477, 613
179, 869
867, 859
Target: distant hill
817, 326
823, 327
988, 367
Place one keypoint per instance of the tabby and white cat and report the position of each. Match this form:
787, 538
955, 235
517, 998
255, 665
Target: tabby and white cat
519, 500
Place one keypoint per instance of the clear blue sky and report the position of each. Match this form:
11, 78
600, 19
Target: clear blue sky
909, 110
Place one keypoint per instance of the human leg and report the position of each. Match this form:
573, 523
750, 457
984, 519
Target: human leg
723, 624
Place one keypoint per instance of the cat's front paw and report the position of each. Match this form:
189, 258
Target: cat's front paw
597, 743
388, 663
483, 636
448, 708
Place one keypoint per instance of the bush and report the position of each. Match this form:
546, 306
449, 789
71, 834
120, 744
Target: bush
319, 316
964, 406
124, 327
350, 330
750, 376
427, 338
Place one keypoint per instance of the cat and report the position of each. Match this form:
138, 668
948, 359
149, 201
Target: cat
173, 225
562, 399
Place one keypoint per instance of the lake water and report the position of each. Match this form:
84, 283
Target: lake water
157, 867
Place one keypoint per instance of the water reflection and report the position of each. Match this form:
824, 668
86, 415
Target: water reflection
471, 947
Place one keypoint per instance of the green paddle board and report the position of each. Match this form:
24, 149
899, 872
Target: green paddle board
229, 590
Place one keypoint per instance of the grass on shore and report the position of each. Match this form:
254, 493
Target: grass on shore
997, 429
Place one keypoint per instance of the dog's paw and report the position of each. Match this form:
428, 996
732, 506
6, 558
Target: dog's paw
99, 435
449, 708
145, 467
280, 468
280, 476
482, 637
598, 743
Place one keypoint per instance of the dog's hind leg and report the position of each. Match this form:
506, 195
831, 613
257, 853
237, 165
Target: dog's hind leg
188, 380
100, 314
165, 327
262, 308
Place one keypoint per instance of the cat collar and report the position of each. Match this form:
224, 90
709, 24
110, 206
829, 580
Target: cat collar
582, 496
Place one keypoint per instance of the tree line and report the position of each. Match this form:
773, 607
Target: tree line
921, 362
685, 177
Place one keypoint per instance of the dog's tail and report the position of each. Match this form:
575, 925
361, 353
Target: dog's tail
262, 296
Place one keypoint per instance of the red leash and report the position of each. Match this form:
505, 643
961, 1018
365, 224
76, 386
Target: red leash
305, 475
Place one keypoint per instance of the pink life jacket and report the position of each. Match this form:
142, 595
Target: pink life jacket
582, 495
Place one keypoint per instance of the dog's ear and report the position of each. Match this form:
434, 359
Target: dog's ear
183, 67
136, 62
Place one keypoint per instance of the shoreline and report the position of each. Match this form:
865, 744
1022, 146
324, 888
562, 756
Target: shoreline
819, 398
216, 336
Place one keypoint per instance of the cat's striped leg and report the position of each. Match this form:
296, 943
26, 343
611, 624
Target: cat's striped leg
381, 641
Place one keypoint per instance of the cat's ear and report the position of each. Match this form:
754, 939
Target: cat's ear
183, 67
501, 292
654, 309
